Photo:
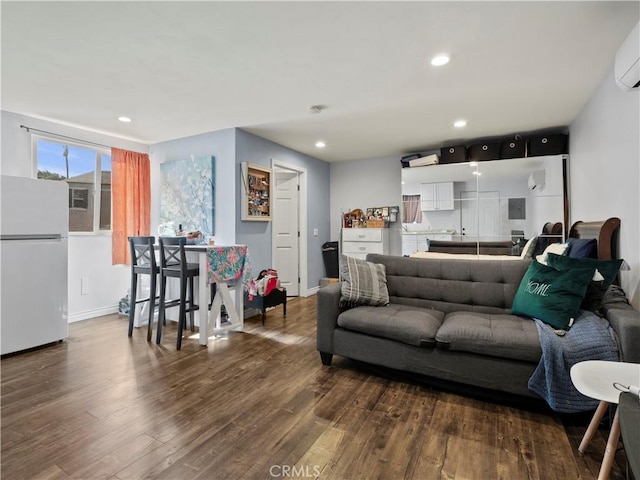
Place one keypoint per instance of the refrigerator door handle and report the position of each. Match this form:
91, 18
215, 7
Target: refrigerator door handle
19, 237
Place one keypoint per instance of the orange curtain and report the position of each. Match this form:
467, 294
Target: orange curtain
131, 200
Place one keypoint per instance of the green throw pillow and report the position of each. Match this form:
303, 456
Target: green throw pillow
597, 287
607, 268
553, 296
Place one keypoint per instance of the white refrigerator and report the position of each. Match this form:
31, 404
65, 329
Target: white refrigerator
34, 225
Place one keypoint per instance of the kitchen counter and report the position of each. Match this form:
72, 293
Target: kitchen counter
416, 240
428, 232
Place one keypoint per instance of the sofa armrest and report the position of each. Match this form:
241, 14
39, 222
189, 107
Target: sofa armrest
626, 323
328, 309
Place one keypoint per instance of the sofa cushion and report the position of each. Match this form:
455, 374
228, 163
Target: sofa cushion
363, 283
451, 285
557, 248
553, 296
502, 335
583, 248
529, 247
607, 270
411, 325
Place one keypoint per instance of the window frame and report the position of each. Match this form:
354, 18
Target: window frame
73, 199
97, 178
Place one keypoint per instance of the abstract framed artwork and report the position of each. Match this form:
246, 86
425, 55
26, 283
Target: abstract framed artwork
187, 194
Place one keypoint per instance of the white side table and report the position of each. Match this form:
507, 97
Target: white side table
595, 379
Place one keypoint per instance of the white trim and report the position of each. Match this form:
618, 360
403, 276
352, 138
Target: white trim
87, 314
311, 291
302, 214
34, 155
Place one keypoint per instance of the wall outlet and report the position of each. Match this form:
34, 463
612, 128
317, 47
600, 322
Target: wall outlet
84, 286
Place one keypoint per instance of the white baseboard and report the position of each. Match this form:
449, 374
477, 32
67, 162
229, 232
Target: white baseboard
99, 312
312, 291
87, 314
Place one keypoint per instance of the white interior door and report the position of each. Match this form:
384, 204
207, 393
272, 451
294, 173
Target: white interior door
489, 216
469, 216
286, 223
480, 212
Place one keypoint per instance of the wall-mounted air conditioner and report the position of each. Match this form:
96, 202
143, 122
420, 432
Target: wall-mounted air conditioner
536, 180
627, 66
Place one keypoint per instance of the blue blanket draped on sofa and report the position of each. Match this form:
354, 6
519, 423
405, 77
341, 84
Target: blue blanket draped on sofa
590, 338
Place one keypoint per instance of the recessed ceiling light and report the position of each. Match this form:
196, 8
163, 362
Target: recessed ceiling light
460, 123
320, 144
440, 59
124, 119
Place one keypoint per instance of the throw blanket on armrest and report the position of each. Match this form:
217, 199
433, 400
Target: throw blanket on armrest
590, 338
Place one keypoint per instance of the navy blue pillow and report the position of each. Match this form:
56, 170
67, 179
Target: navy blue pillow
582, 248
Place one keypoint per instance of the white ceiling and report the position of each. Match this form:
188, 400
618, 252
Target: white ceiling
180, 69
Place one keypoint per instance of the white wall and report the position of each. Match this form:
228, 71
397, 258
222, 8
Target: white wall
363, 184
89, 254
605, 170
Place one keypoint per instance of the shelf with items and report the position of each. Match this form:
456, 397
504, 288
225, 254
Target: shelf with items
257, 192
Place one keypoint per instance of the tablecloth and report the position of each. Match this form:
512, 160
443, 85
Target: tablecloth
227, 263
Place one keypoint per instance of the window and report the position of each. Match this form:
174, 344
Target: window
87, 170
78, 198
411, 212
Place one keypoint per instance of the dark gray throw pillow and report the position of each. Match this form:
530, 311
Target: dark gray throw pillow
363, 283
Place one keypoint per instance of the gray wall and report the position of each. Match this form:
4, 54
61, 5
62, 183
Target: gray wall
257, 235
605, 170
219, 144
366, 183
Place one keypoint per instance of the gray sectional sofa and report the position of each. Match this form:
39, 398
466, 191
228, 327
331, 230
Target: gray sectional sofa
450, 319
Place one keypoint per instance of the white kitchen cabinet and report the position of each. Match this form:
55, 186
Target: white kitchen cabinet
436, 196
417, 242
440, 236
413, 242
358, 242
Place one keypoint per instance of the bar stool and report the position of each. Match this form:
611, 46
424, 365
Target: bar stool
173, 263
143, 262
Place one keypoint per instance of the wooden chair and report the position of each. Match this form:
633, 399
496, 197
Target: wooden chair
173, 264
143, 262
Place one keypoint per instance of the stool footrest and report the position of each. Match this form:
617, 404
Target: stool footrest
176, 303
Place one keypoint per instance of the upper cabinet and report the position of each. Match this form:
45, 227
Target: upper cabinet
257, 192
436, 196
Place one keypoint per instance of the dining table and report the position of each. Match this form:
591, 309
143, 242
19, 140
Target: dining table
225, 265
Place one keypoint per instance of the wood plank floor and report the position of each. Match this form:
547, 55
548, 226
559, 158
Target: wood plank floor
259, 405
